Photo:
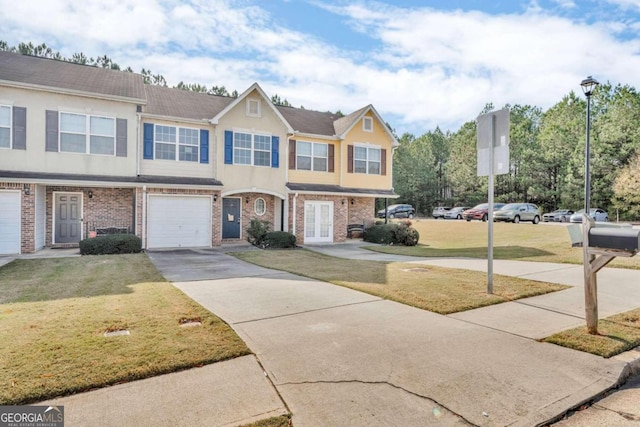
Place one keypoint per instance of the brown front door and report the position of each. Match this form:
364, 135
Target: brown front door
68, 228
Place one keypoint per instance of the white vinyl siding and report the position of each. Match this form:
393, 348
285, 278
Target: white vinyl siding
80, 133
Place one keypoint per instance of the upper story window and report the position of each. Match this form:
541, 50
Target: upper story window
251, 149
177, 143
312, 156
5, 126
367, 159
82, 133
367, 124
253, 107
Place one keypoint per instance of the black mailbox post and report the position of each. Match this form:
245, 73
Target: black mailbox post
600, 245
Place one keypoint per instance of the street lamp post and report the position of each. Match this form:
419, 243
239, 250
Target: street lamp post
590, 282
588, 86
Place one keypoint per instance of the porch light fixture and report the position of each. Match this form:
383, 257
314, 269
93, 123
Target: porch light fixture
343, 201
215, 198
353, 201
90, 194
27, 189
246, 199
588, 86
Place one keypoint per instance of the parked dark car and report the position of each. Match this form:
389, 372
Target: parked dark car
456, 213
480, 212
439, 212
398, 211
559, 215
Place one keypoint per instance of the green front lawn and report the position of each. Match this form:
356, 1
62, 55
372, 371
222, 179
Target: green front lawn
522, 242
54, 313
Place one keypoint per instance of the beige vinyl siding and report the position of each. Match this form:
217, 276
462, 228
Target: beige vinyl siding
36, 159
163, 167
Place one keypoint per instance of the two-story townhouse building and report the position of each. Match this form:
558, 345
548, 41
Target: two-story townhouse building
85, 151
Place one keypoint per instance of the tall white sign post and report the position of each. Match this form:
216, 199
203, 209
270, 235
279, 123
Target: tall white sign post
493, 159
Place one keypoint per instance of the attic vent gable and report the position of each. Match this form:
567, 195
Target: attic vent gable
253, 107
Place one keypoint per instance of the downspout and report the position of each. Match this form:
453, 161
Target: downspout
144, 217
295, 197
138, 145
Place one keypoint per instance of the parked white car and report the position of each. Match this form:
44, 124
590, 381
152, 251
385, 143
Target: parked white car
597, 214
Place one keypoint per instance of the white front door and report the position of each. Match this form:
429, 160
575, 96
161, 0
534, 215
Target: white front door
318, 222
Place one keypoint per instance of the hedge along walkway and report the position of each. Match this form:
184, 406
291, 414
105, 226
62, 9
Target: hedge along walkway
54, 313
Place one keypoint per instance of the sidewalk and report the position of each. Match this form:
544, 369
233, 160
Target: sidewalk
342, 357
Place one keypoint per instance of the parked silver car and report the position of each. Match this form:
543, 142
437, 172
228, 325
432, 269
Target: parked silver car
559, 215
516, 212
597, 214
455, 213
440, 211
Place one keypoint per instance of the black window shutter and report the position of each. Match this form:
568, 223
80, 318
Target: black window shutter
331, 167
292, 154
19, 128
51, 126
121, 137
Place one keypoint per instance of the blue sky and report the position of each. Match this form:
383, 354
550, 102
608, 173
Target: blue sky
422, 64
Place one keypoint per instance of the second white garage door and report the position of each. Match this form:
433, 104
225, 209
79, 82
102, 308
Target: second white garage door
9, 222
179, 221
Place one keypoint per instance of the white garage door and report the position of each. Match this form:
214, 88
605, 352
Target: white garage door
9, 222
179, 221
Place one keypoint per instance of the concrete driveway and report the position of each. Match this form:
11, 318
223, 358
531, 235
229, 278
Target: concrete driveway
341, 357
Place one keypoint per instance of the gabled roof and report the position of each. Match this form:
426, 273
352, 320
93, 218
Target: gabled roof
70, 77
346, 123
164, 101
310, 122
246, 93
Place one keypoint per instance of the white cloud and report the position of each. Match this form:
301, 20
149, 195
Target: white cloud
428, 67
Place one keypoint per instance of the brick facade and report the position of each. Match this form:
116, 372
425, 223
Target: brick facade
248, 204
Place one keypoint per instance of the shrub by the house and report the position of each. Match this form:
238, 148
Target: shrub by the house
278, 240
111, 244
257, 231
396, 233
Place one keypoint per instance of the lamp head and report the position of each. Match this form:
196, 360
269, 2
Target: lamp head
588, 85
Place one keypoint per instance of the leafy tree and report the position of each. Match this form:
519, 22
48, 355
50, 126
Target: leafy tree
276, 100
559, 167
627, 190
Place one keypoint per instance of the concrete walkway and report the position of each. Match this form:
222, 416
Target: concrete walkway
341, 357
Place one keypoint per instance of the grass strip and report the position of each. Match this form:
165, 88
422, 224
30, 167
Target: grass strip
441, 290
54, 313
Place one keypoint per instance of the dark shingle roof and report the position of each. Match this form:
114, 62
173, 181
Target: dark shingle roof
164, 101
327, 188
341, 125
309, 121
27, 69
139, 179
